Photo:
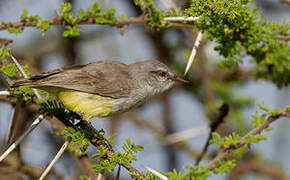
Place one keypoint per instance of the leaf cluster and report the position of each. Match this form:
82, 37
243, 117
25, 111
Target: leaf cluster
154, 16
124, 158
96, 13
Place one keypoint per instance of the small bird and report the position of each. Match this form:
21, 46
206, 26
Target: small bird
104, 88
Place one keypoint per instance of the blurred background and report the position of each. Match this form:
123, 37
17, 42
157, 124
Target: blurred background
180, 109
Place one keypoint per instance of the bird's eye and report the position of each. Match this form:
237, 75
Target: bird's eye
162, 74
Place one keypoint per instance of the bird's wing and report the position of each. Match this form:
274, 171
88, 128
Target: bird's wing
105, 78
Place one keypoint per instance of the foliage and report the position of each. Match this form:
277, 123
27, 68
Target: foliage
11, 71
125, 158
224, 166
194, 172
96, 13
80, 142
239, 30
153, 16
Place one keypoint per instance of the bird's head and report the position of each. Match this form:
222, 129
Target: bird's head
155, 75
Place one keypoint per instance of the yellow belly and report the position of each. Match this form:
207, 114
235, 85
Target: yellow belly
88, 105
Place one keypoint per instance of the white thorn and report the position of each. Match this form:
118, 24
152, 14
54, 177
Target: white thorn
181, 18
54, 160
185, 135
193, 52
14, 145
4, 93
24, 75
161, 176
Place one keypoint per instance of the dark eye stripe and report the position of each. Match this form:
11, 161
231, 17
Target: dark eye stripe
162, 73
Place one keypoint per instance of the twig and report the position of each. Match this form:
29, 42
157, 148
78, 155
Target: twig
223, 111
4, 93
193, 52
97, 143
226, 151
54, 160
281, 37
17, 142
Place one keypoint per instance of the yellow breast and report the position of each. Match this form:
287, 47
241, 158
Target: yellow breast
88, 105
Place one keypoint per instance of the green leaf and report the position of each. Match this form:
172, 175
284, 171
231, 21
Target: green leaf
224, 166
43, 25
71, 31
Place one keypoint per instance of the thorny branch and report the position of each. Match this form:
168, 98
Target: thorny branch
226, 151
120, 23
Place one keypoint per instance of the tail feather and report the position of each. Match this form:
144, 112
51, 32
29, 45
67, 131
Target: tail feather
22, 82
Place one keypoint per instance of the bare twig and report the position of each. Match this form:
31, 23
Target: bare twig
226, 151
54, 160
223, 111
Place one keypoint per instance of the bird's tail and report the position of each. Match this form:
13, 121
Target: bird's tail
22, 82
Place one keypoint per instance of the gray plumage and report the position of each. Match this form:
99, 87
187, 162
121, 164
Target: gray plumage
107, 78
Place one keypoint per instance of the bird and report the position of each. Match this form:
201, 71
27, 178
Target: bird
104, 88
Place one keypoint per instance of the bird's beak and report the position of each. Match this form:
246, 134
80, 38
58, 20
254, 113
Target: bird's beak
179, 79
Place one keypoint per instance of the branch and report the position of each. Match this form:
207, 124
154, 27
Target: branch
226, 151
283, 38
223, 112
57, 21
98, 141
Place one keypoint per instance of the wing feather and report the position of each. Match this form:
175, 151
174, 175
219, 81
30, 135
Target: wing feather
105, 78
